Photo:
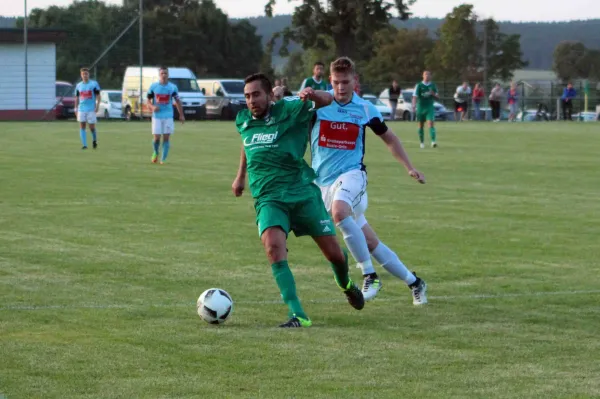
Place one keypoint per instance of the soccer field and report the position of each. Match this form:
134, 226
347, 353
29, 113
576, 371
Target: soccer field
103, 255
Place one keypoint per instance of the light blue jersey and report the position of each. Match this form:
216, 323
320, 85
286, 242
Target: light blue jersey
338, 137
87, 93
163, 96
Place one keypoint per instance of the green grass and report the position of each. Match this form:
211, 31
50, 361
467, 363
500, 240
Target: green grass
102, 256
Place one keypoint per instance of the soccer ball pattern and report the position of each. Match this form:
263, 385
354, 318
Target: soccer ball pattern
214, 306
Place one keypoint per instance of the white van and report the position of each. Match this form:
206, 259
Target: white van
192, 98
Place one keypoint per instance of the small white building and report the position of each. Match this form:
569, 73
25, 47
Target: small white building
41, 73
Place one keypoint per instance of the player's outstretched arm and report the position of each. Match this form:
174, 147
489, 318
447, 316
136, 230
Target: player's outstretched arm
397, 149
319, 97
240, 180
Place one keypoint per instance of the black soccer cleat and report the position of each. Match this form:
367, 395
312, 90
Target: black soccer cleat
355, 296
95, 144
84, 147
296, 322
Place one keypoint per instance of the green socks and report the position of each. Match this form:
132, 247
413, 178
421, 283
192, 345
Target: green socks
287, 287
340, 272
431, 134
421, 134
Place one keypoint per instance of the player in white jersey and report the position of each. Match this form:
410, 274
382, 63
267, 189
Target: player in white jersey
338, 147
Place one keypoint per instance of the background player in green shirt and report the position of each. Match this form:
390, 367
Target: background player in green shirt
316, 81
275, 138
423, 99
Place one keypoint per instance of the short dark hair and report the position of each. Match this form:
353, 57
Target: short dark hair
163, 68
319, 63
263, 79
84, 69
343, 65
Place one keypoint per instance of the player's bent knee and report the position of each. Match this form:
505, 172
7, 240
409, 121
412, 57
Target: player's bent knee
274, 242
340, 210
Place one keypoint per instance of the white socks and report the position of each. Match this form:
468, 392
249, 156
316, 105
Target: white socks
390, 262
357, 244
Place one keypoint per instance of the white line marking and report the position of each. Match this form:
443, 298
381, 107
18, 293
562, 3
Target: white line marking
441, 298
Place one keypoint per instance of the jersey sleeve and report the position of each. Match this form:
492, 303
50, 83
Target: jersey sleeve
150, 93
97, 88
77, 90
301, 111
175, 94
375, 120
303, 85
416, 91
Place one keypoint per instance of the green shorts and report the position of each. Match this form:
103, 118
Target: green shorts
426, 114
304, 216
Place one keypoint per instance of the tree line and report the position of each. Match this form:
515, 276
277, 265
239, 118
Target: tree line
191, 33
199, 35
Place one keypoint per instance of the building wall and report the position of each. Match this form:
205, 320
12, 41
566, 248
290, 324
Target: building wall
41, 77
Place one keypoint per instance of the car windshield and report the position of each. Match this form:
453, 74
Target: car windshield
114, 97
233, 87
374, 100
64, 90
185, 85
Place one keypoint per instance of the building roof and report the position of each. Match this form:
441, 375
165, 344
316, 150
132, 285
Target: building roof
15, 35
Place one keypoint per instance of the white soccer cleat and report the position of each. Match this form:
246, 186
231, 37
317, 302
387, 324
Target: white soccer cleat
433, 144
419, 292
422, 145
371, 287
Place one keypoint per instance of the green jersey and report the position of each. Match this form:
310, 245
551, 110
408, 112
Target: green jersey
275, 148
424, 93
311, 82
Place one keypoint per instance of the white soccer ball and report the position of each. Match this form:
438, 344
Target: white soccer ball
214, 306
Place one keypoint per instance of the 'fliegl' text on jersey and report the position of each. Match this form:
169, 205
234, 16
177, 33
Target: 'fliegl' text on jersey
261, 140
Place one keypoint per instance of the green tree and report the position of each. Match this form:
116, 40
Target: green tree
399, 54
350, 23
502, 52
568, 57
456, 52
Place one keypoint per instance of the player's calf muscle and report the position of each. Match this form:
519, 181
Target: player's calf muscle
331, 249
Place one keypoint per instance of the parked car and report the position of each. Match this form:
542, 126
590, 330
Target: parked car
385, 110
65, 97
586, 117
404, 110
110, 104
225, 97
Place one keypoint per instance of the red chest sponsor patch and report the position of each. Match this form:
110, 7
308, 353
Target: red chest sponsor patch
338, 135
85, 94
163, 98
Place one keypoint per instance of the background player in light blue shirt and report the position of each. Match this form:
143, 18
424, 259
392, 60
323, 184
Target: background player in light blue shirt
161, 95
338, 148
87, 101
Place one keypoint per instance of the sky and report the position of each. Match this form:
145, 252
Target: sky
500, 10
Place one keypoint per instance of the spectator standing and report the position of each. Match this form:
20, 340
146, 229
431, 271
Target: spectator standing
461, 101
394, 93
286, 88
478, 95
569, 93
513, 101
496, 96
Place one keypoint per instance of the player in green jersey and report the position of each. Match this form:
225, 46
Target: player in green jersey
275, 138
316, 81
423, 99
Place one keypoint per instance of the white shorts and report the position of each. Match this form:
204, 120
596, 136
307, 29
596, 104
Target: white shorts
88, 117
163, 126
351, 187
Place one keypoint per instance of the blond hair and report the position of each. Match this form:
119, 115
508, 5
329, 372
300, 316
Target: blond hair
343, 65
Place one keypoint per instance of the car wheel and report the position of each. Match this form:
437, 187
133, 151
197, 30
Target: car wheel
226, 114
105, 114
406, 116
